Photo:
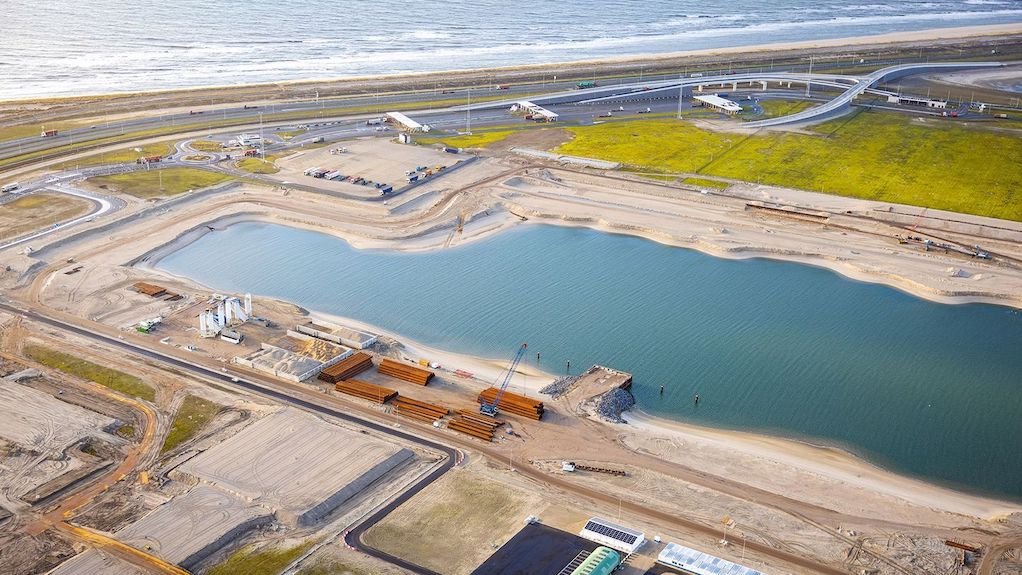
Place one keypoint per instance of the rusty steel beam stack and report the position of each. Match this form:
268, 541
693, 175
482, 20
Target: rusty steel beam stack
420, 410
476, 417
405, 372
513, 403
476, 429
365, 390
347, 368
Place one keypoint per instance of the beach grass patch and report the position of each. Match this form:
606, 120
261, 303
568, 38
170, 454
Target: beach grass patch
160, 182
194, 413
265, 561
871, 155
706, 183
37, 211
78, 367
206, 146
776, 108
257, 165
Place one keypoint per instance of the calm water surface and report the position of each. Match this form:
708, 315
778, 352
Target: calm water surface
929, 389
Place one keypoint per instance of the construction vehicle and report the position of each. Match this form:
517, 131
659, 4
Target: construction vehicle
490, 409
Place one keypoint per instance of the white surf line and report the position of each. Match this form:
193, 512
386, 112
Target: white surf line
105, 206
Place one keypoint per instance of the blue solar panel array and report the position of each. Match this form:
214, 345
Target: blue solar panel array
596, 527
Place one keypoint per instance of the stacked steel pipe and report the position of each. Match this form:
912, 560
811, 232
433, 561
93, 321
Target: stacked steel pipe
513, 403
420, 410
365, 390
405, 372
473, 425
347, 368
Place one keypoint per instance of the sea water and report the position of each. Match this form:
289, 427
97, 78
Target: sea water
69, 48
932, 390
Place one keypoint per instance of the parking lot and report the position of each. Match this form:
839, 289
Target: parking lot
356, 167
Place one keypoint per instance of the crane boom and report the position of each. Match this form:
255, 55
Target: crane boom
490, 409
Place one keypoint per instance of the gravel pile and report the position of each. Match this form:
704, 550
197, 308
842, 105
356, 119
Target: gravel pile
560, 386
612, 404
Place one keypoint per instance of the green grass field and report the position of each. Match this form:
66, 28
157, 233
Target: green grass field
115, 380
147, 183
776, 108
706, 183
873, 155
124, 156
192, 416
206, 146
266, 561
257, 165
479, 139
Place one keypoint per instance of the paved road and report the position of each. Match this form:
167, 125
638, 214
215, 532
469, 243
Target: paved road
249, 117
353, 537
842, 104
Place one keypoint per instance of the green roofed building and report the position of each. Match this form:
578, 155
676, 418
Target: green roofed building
602, 561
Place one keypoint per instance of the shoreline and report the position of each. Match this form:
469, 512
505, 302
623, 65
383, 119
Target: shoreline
821, 458
887, 39
845, 269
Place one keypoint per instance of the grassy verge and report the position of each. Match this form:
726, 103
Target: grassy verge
249, 561
257, 165
776, 108
206, 146
193, 415
38, 211
165, 182
115, 380
124, 156
706, 183
872, 155
475, 140
288, 134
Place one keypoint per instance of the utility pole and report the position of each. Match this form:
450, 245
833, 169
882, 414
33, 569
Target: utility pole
262, 142
468, 113
681, 91
809, 80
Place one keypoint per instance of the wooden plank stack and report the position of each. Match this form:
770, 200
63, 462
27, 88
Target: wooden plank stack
420, 410
405, 372
475, 427
347, 368
513, 403
365, 390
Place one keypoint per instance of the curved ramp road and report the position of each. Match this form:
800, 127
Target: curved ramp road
842, 104
102, 205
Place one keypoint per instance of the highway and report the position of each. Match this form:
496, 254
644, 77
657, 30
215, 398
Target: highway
321, 113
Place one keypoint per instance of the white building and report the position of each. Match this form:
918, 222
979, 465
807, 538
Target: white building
719, 104
406, 122
249, 139
922, 102
612, 535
